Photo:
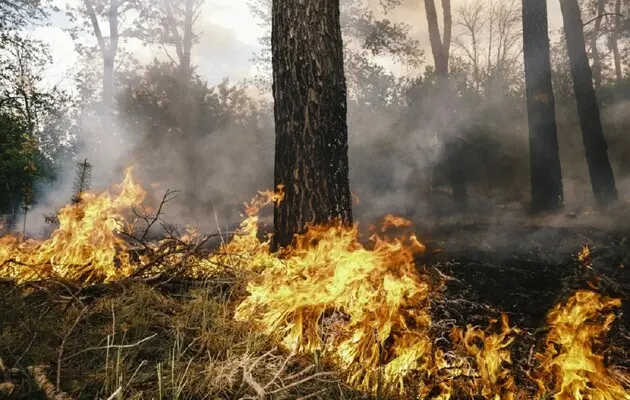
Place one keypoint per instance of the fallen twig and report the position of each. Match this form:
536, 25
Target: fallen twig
112, 346
50, 391
116, 393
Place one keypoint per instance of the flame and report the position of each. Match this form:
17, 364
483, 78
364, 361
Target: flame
569, 369
364, 308
493, 358
584, 256
84, 247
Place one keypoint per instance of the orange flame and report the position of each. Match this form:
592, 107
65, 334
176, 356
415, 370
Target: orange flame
569, 369
84, 247
365, 308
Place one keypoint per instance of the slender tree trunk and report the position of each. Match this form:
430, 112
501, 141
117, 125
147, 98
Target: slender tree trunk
602, 178
187, 110
309, 90
440, 48
108, 51
545, 171
597, 62
108, 85
614, 40
109, 57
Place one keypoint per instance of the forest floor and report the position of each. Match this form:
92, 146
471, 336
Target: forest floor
177, 338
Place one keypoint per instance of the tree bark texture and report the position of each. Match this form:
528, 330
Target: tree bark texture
309, 90
601, 174
545, 170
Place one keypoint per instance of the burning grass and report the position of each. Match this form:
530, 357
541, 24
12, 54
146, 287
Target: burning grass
113, 313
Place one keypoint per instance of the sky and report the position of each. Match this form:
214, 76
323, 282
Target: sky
229, 39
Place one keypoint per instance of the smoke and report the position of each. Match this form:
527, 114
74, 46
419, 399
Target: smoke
396, 155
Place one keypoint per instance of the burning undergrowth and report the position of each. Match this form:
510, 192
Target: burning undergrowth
333, 302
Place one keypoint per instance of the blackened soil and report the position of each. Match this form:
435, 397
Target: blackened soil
525, 272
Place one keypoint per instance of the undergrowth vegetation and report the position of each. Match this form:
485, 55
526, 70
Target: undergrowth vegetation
132, 340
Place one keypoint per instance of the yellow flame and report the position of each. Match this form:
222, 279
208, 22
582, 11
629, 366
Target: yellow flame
493, 358
584, 256
569, 369
365, 308
84, 247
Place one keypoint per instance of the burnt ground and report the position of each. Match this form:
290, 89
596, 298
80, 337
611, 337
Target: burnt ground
524, 271
488, 269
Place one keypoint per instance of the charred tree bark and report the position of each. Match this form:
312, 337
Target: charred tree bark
440, 49
545, 170
309, 90
601, 174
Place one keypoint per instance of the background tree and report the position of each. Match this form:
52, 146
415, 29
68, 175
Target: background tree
546, 175
309, 89
16, 14
601, 174
489, 39
597, 29
440, 48
171, 23
367, 34
614, 40
89, 16
31, 114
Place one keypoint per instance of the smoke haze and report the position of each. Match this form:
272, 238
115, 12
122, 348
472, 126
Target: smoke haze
393, 145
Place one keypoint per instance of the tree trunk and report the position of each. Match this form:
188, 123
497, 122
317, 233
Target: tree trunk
597, 62
187, 108
108, 85
309, 90
108, 51
614, 41
109, 57
602, 178
546, 174
440, 47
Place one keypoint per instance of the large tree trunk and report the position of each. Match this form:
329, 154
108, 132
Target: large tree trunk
309, 90
546, 175
614, 40
595, 146
597, 62
440, 48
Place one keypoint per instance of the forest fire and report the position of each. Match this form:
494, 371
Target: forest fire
365, 310
84, 247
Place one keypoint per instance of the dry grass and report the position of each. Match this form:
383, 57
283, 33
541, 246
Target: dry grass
132, 340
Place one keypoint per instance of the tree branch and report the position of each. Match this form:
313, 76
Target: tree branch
95, 25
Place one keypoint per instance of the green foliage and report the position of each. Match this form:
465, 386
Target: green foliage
16, 14
150, 101
366, 34
30, 121
21, 164
81, 180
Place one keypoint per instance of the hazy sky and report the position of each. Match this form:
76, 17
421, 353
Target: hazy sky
229, 39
